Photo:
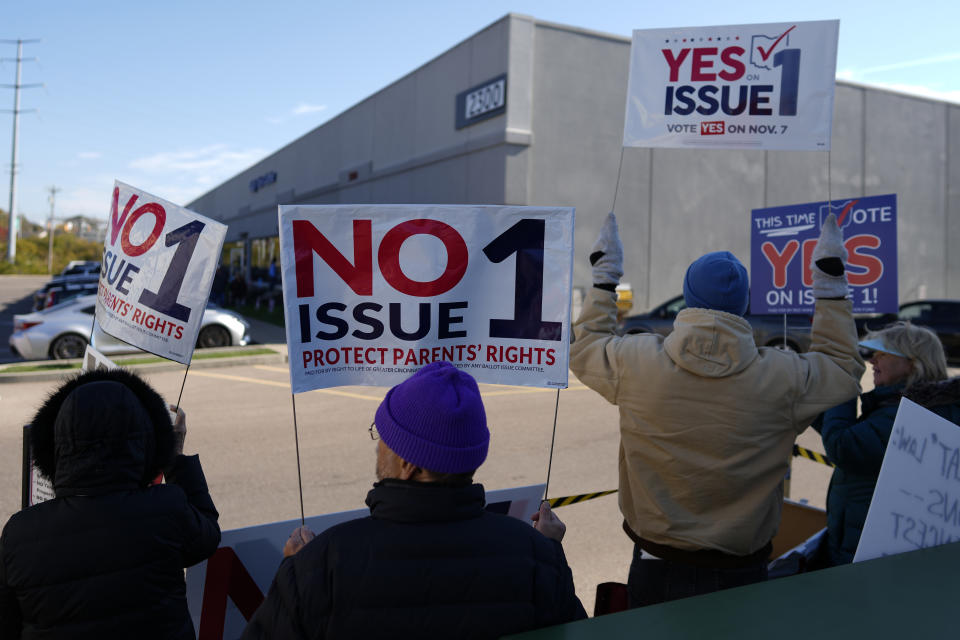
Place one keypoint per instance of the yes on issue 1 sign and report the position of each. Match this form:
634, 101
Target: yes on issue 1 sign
781, 245
758, 86
372, 293
158, 265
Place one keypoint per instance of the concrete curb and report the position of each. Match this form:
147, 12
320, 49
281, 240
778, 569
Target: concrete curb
280, 357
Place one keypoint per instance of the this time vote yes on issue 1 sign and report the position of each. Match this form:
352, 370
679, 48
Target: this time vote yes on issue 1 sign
782, 244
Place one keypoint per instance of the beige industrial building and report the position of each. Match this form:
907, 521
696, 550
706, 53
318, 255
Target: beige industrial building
546, 129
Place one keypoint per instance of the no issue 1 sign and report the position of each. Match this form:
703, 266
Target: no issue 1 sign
158, 265
372, 293
781, 245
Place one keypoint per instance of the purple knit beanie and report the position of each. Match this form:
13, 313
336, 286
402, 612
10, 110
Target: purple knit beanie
435, 419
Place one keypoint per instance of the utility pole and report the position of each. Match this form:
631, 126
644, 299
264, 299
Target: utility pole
12, 232
53, 196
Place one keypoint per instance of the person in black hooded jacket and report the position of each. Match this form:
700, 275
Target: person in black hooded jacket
105, 557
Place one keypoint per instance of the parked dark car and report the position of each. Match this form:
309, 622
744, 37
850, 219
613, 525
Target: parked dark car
940, 316
64, 288
81, 267
768, 330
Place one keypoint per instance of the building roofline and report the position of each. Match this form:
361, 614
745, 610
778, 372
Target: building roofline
898, 92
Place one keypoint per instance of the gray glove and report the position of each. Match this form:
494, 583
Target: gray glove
179, 419
607, 255
827, 270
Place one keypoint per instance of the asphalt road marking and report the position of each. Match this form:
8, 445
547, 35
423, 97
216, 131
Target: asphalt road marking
285, 385
508, 390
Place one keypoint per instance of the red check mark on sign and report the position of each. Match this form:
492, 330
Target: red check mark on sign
766, 54
846, 210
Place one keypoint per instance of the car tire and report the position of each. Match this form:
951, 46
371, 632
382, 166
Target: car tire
67, 346
213, 335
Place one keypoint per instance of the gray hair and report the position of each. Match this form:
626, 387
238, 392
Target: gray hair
920, 345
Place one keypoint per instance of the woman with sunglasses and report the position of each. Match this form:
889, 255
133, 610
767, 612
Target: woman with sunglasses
908, 361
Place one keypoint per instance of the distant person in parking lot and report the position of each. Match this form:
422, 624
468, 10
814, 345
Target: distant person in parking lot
238, 290
272, 273
707, 418
908, 361
218, 289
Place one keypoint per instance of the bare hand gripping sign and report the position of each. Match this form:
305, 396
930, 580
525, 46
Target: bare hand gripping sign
374, 292
158, 265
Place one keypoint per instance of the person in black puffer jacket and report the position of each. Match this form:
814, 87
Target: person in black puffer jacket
105, 557
429, 561
907, 361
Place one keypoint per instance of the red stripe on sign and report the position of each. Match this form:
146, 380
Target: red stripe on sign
226, 578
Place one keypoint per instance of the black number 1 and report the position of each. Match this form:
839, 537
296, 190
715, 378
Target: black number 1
164, 299
525, 238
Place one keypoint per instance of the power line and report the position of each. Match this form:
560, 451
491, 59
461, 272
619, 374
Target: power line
12, 231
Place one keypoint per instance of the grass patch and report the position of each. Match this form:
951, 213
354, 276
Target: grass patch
124, 362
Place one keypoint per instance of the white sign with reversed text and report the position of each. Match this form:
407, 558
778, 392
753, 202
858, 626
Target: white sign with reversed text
917, 500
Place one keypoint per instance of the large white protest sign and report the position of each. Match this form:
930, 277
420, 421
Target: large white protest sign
758, 86
248, 558
158, 265
917, 500
374, 292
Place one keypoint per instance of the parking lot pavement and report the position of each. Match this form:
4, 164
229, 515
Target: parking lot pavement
16, 296
265, 332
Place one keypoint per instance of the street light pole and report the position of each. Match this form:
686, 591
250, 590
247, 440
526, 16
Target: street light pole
53, 196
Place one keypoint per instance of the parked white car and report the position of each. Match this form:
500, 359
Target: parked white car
62, 331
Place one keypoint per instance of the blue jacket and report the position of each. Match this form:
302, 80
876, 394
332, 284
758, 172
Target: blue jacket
857, 446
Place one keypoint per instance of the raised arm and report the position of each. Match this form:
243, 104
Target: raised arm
831, 370
201, 534
593, 352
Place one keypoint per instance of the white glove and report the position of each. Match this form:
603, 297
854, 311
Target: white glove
607, 254
827, 260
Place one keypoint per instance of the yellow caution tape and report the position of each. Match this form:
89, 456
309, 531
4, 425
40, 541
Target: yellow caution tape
583, 497
812, 455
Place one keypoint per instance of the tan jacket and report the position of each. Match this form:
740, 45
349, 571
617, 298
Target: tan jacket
708, 419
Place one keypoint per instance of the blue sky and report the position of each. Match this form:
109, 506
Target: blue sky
175, 97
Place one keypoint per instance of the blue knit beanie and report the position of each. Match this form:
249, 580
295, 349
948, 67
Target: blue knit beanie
435, 419
717, 280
